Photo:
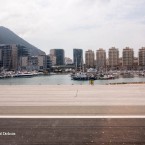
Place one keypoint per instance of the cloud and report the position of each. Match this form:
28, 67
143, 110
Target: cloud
76, 23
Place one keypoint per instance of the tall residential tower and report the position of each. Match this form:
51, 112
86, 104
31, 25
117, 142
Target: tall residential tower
89, 59
141, 56
101, 58
78, 57
58, 54
128, 58
113, 56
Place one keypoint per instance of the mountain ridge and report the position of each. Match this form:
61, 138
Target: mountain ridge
9, 37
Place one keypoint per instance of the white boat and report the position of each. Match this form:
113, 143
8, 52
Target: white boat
1, 77
21, 74
80, 76
106, 77
35, 73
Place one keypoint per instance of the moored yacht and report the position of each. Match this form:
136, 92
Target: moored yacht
23, 74
80, 76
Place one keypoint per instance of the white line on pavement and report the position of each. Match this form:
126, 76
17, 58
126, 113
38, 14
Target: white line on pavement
73, 117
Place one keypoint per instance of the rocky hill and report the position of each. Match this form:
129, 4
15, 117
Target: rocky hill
9, 37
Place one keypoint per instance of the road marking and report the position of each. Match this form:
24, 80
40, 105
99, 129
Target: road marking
73, 117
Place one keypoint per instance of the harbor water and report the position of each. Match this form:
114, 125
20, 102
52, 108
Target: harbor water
62, 79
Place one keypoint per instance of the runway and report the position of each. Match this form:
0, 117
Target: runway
72, 131
72, 100
72, 115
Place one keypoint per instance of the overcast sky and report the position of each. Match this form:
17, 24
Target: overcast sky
68, 24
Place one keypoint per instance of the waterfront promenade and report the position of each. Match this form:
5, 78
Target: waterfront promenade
46, 100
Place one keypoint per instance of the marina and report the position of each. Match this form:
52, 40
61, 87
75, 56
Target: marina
72, 72
62, 79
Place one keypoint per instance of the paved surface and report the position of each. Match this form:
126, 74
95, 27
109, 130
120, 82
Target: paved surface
72, 100
72, 131
75, 100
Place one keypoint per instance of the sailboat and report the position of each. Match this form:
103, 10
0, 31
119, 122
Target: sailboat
81, 75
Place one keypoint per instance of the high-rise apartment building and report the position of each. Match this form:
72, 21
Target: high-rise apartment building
141, 57
15, 56
53, 59
59, 54
78, 57
128, 58
101, 58
89, 59
9, 57
113, 56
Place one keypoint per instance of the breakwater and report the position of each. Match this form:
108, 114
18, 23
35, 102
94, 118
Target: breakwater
122, 83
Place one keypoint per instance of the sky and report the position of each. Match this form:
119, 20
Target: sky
68, 24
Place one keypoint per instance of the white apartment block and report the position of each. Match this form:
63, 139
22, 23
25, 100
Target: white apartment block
141, 56
128, 57
113, 56
101, 58
90, 59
